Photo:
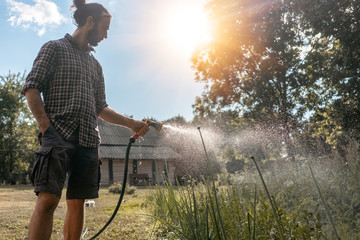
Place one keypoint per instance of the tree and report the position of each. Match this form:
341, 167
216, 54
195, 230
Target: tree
333, 62
17, 131
336, 63
254, 66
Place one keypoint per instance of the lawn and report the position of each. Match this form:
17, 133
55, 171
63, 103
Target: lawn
18, 202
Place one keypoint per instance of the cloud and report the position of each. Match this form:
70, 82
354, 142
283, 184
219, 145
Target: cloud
39, 17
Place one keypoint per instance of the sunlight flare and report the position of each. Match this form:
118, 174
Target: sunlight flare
187, 27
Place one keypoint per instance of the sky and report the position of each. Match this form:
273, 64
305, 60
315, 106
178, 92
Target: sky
145, 59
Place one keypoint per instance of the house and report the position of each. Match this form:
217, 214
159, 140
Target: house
149, 163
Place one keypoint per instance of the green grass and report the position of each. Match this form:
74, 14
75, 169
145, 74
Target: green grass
18, 202
261, 204
288, 202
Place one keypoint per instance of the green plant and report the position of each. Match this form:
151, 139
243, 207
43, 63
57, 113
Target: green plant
246, 213
208, 211
327, 210
116, 188
130, 190
272, 202
288, 207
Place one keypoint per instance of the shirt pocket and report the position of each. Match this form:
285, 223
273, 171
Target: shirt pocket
40, 171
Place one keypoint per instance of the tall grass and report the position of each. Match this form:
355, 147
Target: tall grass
324, 204
306, 204
272, 202
208, 211
287, 206
186, 213
215, 207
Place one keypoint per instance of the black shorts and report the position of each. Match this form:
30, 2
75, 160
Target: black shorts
59, 160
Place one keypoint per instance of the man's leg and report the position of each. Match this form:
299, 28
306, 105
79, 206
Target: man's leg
74, 221
41, 221
83, 184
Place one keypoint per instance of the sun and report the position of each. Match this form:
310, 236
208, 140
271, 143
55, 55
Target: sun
187, 27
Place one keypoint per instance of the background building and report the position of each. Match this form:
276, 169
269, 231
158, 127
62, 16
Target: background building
149, 162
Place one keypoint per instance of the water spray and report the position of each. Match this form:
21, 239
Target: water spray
158, 127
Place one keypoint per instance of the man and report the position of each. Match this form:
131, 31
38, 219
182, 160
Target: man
71, 82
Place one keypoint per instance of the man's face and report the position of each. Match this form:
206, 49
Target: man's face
99, 31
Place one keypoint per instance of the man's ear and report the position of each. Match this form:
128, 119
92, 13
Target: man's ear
90, 22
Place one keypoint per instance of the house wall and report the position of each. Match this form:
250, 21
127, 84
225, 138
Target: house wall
143, 166
105, 172
171, 173
118, 171
160, 171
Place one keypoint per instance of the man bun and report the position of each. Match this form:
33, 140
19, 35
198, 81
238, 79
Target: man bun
84, 10
78, 4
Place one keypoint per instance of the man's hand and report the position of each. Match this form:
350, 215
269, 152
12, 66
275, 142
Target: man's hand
140, 128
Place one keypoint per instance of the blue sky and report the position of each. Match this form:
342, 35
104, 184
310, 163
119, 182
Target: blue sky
147, 72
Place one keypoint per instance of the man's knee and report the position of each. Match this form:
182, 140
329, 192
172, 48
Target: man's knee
75, 204
47, 202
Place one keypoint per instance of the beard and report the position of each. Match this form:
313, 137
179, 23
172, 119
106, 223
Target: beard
93, 37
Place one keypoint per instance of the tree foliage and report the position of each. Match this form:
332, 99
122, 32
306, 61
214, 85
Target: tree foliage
276, 64
17, 131
335, 61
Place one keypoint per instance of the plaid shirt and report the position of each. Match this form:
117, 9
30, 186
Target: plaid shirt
72, 84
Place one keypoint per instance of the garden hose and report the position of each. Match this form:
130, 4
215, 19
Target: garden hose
131, 141
157, 126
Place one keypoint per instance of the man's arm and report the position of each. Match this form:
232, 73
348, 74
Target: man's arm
111, 116
37, 108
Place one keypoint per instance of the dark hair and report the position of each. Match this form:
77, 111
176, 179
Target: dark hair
84, 10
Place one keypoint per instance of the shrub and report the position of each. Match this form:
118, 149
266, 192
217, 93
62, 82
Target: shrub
130, 190
117, 187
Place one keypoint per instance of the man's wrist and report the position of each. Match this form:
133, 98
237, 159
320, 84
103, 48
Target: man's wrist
44, 124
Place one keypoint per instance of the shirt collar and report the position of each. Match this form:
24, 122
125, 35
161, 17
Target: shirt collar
75, 44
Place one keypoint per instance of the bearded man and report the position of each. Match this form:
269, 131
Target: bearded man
71, 82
